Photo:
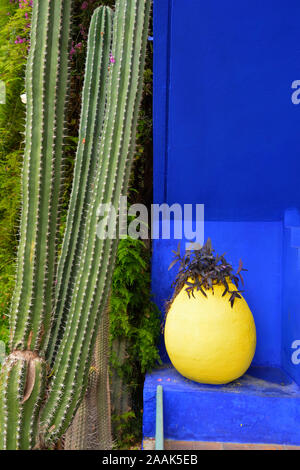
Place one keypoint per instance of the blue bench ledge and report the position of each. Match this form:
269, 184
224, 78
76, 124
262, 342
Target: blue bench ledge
263, 406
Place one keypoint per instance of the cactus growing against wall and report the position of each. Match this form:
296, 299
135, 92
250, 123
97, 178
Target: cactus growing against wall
56, 312
91, 427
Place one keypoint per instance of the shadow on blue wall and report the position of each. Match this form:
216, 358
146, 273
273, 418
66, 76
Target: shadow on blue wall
259, 245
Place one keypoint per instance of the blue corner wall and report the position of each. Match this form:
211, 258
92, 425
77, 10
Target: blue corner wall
259, 244
226, 134
226, 130
291, 294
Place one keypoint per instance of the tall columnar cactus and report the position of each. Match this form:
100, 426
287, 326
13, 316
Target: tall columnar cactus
120, 393
22, 376
93, 274
91, 427
56, 315
46, 89
92, 118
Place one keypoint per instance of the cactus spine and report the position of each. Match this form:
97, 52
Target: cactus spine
22, 387
33, 300
105, 150
92, 118
91, 427
92, 283
46, 89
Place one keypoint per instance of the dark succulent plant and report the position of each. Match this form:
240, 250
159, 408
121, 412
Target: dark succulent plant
202, 269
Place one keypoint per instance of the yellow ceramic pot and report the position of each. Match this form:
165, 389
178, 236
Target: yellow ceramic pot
207, 340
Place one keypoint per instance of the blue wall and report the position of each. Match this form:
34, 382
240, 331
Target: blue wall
290, 293
260, 247
229, 134
226, 134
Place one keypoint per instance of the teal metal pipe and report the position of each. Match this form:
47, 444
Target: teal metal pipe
159, 433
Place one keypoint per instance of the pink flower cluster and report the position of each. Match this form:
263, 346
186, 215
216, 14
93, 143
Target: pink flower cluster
85, 4
25, 3
75, 48
83, 31
20, 40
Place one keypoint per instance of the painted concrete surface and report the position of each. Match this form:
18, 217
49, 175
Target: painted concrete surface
226, 134
291, 295
259, 245
226, 131
149, 444
263, 407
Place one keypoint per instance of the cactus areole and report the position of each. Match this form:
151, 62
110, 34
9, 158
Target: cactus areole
58, 301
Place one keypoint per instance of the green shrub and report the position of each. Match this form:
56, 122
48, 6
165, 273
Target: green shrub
135, 319
14, 34
132, 313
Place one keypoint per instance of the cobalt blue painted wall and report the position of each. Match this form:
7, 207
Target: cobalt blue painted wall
260, 247
229, 134
226, 134
291, 294
262, 406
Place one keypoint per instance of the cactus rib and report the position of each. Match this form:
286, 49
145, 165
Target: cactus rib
57, 309
46, 87
95, 269
92, 117
23, 374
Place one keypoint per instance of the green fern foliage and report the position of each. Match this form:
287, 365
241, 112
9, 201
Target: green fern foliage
132, 313
134, 334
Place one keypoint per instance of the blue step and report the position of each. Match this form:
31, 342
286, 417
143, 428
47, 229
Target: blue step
261, 407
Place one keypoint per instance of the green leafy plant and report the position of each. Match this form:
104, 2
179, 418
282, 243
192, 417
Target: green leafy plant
134, 334
132, 313
202, 269
14, 42
125, 426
